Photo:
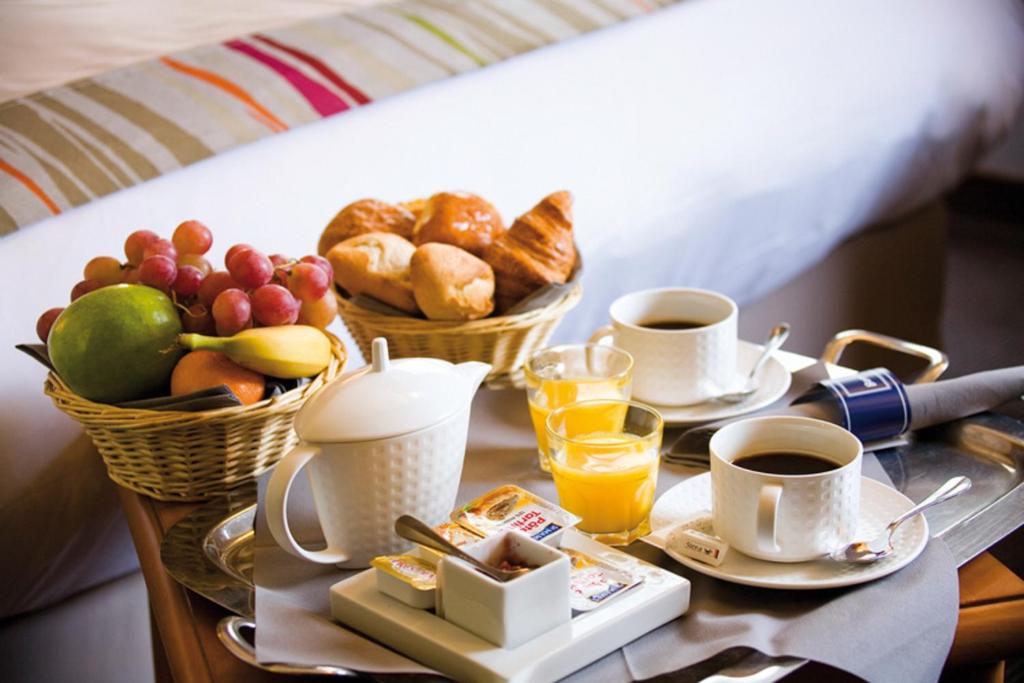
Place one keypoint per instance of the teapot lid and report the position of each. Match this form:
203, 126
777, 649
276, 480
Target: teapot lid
386, 398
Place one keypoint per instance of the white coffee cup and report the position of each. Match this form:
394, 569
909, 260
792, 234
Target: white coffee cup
785, 517
676, 366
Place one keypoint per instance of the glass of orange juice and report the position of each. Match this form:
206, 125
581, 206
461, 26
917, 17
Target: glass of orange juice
604, 460
561, 375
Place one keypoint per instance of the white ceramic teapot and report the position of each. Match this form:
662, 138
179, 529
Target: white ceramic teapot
382, 441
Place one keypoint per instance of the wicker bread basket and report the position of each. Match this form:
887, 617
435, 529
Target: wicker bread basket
181, 456
503, 341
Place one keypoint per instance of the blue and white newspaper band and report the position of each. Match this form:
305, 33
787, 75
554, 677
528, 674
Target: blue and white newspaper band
873, 404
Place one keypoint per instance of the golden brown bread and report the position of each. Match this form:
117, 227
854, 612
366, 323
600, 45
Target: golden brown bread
449, 283
363, 216
377, 264
537, 250
458, 218
415, 207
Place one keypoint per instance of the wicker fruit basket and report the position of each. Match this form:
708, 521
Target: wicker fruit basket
181, 456
503, 341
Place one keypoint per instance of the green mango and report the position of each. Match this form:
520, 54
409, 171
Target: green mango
117, 343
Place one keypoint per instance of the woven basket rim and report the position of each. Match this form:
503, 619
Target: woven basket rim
55, 387
495, 323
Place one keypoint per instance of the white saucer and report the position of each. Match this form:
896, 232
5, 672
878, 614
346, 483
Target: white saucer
774, 379
879, 504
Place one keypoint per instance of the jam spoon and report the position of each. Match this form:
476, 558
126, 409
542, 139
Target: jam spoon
880, 546
418, 531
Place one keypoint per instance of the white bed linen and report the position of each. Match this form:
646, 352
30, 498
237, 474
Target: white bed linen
716, 143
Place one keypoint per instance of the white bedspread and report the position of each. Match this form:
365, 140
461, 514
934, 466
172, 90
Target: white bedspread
718, 143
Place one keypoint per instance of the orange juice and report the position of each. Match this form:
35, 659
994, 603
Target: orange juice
608, 477
555, 393
560, 375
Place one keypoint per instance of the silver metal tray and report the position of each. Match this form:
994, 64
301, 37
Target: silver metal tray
210, 551
988, 448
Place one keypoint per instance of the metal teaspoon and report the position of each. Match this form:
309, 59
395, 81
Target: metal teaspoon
417, 531
880, 546
775, 340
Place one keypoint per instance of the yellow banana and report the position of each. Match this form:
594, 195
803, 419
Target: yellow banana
286, 351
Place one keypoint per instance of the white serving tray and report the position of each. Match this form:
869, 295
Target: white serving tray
449, 649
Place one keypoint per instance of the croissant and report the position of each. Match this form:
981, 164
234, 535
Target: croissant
537, 250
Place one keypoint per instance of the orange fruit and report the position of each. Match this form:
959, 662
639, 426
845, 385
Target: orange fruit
205, 369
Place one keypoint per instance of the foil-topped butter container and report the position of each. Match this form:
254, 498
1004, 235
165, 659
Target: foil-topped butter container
407, 578
510, 507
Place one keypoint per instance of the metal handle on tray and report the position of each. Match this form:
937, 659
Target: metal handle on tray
229, 632
937, 360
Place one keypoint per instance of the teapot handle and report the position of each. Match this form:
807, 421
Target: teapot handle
277, 506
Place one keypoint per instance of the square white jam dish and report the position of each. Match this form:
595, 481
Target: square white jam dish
511, 612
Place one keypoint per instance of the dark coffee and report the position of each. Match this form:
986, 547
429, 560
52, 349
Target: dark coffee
673, 324
785, 462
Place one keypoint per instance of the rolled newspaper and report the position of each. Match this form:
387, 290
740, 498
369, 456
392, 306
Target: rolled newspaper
874, 405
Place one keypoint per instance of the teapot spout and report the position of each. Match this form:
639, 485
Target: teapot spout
474, 371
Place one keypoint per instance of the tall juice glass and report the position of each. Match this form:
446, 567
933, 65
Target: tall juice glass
604, 460
561, 375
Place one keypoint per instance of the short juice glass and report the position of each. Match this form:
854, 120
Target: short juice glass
604, 459
561, 375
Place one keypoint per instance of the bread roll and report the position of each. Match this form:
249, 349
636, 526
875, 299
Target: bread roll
415, 206
450, 283
537, 250
364, 216
377, 264
458, 218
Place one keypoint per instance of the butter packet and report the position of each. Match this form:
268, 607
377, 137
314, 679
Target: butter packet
592, 583
511, 507
408, 569
406, 578
454, 534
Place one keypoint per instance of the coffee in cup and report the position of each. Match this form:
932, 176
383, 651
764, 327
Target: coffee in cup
785, 462
785, 488
672, 324
683, 342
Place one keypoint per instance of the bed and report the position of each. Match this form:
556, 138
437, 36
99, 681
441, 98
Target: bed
788, 153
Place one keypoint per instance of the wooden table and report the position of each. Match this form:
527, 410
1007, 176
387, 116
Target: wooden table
186, 649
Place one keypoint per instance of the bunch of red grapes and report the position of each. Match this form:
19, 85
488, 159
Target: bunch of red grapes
255, 289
